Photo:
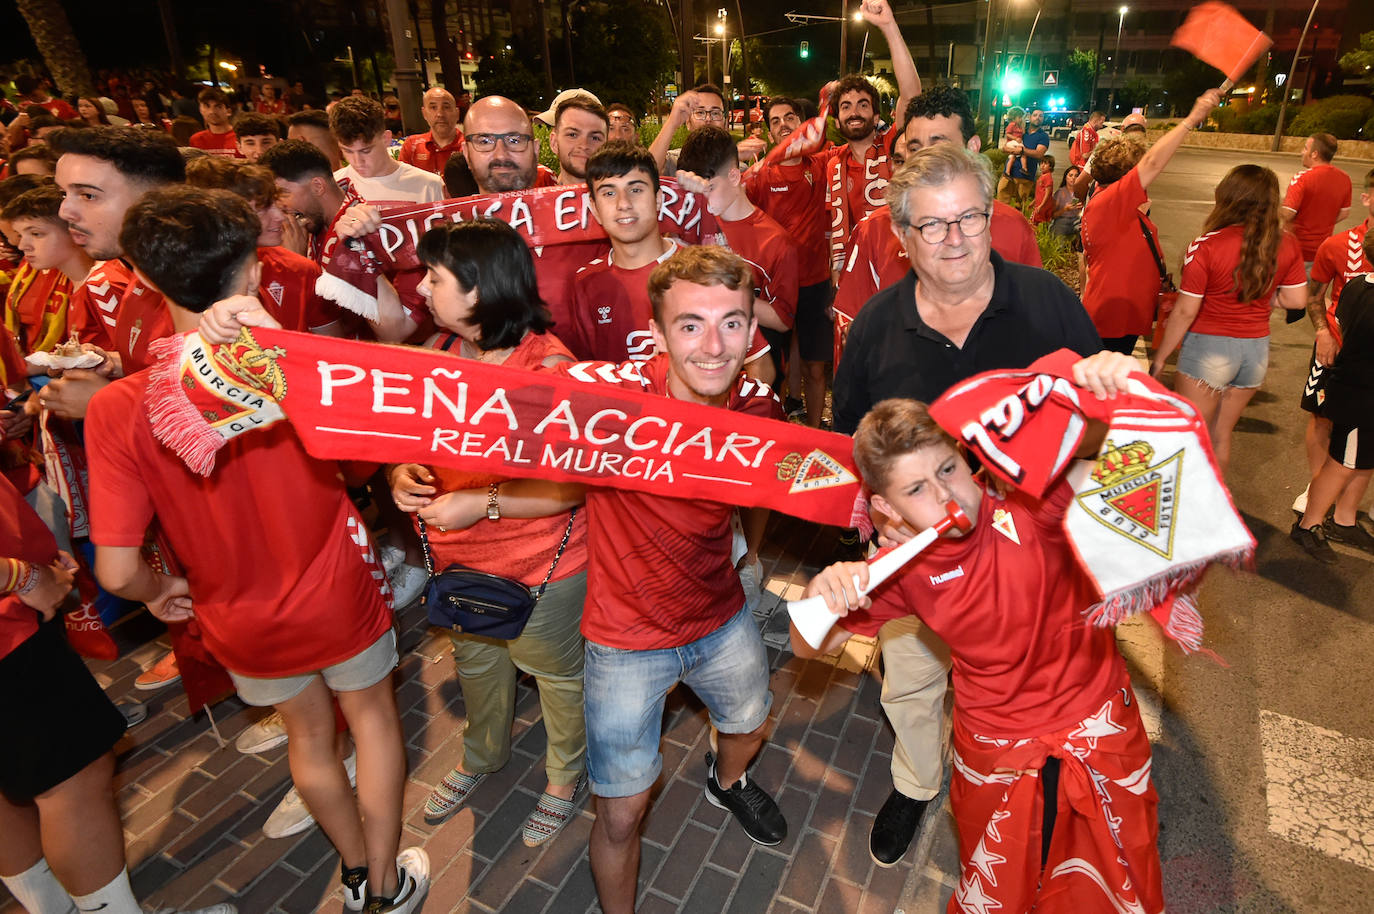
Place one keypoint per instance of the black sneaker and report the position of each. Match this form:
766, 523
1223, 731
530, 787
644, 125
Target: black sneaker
1313, 541
795, 408
755, 810
894, 827
1354, 535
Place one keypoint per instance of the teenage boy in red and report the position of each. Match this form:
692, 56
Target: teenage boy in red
664, 602
793, 192
710, 161
37, 303
1045, 702
1318, 197
432, 149
218, 136
255, 134
611, 315
279, 570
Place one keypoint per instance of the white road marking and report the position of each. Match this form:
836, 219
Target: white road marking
1319, 787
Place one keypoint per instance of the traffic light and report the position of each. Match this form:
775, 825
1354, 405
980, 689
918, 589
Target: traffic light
1012, 83
805, 49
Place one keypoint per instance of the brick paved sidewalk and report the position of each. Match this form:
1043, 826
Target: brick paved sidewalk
193, 809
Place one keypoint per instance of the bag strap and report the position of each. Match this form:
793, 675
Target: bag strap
1164, 277
567, 534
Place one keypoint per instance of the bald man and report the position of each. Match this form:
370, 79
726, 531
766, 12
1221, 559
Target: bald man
500, 148
431, 150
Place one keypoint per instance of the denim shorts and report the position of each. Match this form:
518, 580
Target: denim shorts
1220, 362
624, 691
361, 671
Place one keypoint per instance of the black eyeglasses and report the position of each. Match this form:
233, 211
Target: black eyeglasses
971, 225
486, 142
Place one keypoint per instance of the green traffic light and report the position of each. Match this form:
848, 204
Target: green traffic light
805, 49
1012, 83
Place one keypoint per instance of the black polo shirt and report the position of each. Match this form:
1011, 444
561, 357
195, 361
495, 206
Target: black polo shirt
891, 352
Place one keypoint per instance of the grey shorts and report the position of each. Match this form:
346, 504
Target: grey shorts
1220, 362
361, 671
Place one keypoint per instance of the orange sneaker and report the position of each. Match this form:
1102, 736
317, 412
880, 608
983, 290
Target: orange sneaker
160, 674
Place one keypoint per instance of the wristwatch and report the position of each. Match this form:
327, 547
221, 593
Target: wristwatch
493, 504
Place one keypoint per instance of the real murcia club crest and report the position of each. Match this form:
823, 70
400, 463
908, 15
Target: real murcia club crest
817, 470
1136, 497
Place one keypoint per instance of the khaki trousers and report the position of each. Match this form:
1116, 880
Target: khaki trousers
915, 675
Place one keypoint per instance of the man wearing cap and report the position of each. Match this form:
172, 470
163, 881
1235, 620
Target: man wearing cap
1133, 123
431, 150
580, 126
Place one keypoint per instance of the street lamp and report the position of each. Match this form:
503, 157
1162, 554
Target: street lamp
1116, 58
724, 54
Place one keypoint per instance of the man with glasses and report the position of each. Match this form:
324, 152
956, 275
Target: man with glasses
960, 310
359, 126
500, 148
704, 106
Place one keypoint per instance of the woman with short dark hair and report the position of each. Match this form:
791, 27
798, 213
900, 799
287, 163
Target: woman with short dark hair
480, 288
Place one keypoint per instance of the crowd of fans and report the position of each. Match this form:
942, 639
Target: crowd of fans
143, 213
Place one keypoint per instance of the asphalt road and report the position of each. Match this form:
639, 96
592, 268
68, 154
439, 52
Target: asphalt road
1265, 763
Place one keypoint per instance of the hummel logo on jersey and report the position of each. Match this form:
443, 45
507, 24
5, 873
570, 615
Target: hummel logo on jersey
779, 190
603, 314
957, 572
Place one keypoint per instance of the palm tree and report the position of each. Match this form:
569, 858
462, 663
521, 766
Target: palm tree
52, 33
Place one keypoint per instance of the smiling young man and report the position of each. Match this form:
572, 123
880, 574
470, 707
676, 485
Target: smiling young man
664, 603
579, 129
1051, 791
256, 133
359, 126
610, 315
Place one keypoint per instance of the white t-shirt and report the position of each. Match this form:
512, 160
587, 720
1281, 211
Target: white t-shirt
405, 183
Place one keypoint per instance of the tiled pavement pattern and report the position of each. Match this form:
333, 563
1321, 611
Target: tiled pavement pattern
193, 810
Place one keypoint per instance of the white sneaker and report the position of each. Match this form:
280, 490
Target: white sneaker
407, 584
354, 888
412, 866
291, 817
267, 733
392, 557
1300, 503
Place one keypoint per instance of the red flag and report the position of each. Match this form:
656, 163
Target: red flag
1218, 35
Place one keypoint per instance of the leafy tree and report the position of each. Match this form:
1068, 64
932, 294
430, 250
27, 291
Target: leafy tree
1076, 79
624, 51
52, 33
503, 72
1361, 59
1186, 81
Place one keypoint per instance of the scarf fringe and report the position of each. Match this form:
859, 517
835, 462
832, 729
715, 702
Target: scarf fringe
347, 296
175, 421
1185, 623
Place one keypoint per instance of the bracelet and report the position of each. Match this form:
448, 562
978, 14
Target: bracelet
29, 581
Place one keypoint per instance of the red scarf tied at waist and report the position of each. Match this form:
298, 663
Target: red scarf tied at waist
560, 214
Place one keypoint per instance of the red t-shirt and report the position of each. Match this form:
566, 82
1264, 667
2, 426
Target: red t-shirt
760, 240
421, 151
1317, 194
1339, 260
95, 303
283, 575
142, 318
545, 177
555, 267
277, 106
1123, 278
23, 536
1044, 198
794, 195
1025, 660
877, 259
659, 573
1083, 146
217, 143
1209, 267
287, 290
611, 313
56, 107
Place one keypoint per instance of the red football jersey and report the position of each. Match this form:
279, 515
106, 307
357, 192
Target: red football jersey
854, 188
287, 290
555, 268
1209, 267
1123, 279
1317, 194
282, 571
226, 144
142, 318
760, 240
95, 303
421, 151
611, 313
1339, 260
659, 573
794, 195
1008, 598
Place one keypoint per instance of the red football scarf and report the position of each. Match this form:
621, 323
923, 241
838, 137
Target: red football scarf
543, 216
804, 141
36, 308
877, 171
591, 423
1151, 513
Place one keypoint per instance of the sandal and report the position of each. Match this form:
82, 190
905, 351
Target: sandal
449, 795
550, 814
